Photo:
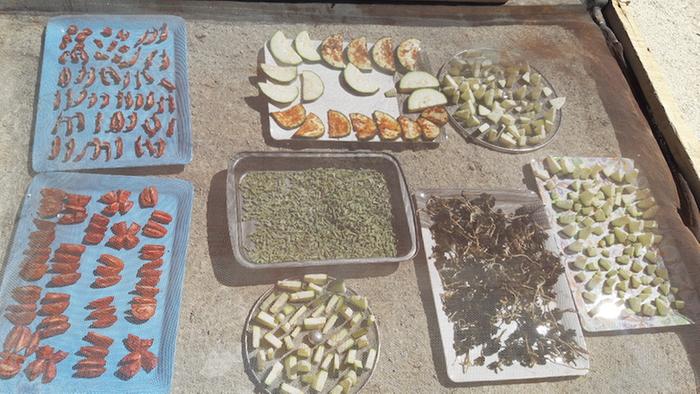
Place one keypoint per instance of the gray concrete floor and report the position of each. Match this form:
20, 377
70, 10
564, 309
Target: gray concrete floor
216, 297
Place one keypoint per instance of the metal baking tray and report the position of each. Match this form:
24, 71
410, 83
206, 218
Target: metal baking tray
402, 209
249, 352
508, 201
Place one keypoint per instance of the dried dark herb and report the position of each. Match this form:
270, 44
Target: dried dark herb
496, 273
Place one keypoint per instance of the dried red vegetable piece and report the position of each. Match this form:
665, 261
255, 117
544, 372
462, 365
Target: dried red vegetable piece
171, 104
171, 128
55, 148
163, 34
37, 259
152, 264
64, 268
96, 228
106, 281
93, 238
61, 257
26, 294
104, 322
149, 361
161, 217
154, 231
130, 358
148, 272
17, 339
35, 368
49, 373
147, 291
108, 198
33, 344
52, 297
111, 261
100, 220
64, 280
127, 371
125, 207
148, 197
44, 225
94, 351
18, 308
52, 321
164, 61
169, 86
78, 200
90, 363
33, 271
54, 330
98, 339
102, 312
58, 356
106, 271
85, 372
134, 343
53, 309
100, 302
21, 318
74, 249
148, 281
143, 312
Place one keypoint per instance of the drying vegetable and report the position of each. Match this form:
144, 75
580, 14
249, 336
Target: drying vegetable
306, 48
318, 214
312, 334
358, 81
608, 228
281, 48
502, 102
499, 285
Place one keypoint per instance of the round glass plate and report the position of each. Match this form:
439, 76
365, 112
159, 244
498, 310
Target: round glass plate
505, 59
307, 337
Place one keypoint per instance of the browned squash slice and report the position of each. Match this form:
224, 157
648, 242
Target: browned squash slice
338, 124
429, 129
290, 118
364, 126
437, 115
410, 130
389, 128
311, 128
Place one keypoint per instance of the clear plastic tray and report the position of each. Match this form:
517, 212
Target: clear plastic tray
472, 133
249, 352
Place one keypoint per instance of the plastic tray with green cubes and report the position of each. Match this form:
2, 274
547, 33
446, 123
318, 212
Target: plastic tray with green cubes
500, 101
311, 334
607, 230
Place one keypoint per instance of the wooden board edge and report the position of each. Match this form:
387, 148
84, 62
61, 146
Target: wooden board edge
681, 139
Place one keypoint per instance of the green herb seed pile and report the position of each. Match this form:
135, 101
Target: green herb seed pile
318, 214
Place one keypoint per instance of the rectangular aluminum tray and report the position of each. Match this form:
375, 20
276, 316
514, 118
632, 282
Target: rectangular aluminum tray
402, 208
508, 201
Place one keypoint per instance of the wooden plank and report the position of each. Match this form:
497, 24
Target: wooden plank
681, 139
